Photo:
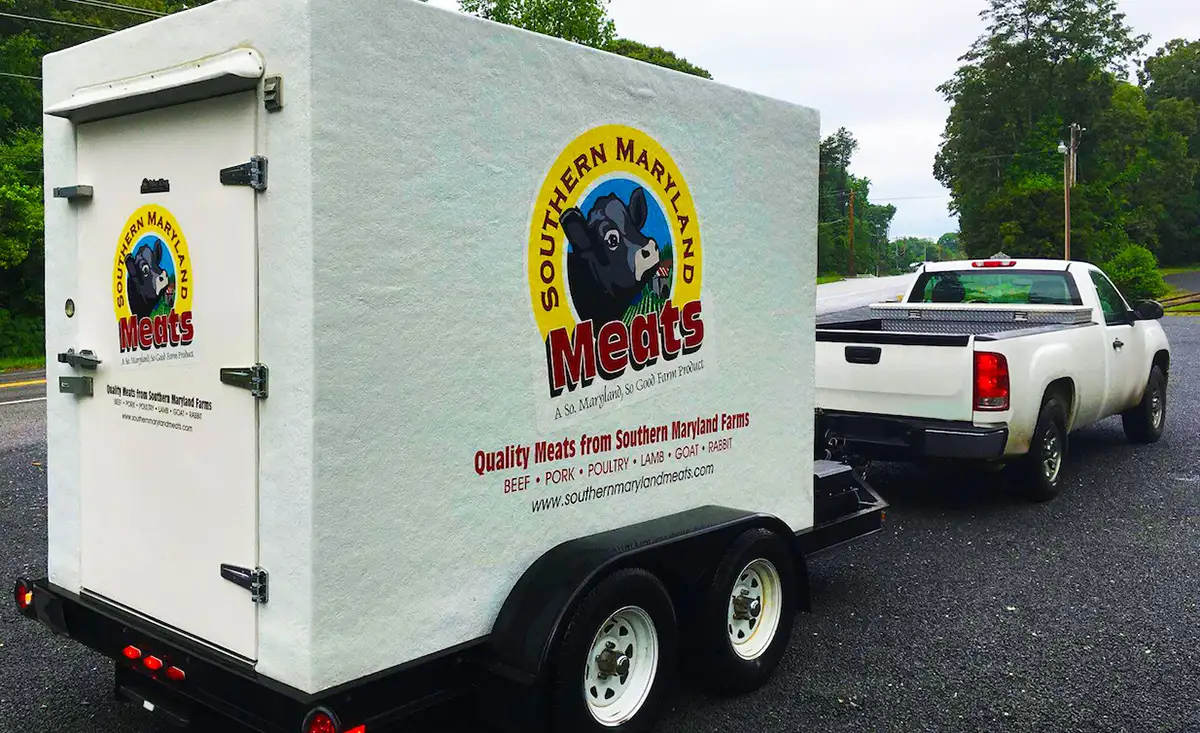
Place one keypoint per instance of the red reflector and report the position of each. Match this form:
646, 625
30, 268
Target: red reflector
132, 652
321, 723
175, 674
153, 663
991, 382
24, 596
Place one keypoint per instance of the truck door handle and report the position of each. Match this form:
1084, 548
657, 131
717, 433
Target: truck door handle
863, 354
85, 359
1117, 344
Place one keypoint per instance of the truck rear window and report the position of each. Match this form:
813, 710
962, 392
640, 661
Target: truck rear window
1023, 288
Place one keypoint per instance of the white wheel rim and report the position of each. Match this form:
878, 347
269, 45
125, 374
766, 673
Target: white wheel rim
629, 640
754, 610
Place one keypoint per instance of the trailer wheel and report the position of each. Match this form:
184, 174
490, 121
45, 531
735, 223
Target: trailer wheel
617, 659
748, 613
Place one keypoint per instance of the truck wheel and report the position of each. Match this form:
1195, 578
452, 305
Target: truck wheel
617, 659
747, 614
1145, 423
1040, 470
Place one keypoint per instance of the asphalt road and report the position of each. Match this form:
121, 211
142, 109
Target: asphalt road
860, 291
22, 386
972, 611
1189, 282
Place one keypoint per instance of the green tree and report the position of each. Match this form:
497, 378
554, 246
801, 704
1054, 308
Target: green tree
1040, 65
654, 55
871, 221
1135, 272
950, 247
580, 21
21, 245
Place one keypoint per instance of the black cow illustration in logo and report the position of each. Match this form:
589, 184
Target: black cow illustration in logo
611, 260
146, 280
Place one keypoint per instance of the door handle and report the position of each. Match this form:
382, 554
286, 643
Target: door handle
85, 359
1117, 344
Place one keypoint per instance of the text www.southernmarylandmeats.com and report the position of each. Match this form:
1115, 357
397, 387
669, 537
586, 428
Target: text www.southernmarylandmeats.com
631, 486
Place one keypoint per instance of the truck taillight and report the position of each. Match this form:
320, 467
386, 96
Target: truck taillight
991, 382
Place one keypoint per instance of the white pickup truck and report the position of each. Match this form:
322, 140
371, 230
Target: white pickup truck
992, 360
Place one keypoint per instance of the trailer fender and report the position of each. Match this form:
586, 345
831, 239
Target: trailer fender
681, 549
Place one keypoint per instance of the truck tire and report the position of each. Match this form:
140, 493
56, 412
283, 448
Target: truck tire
747, 613
1040, 470
617, 659
1145, 423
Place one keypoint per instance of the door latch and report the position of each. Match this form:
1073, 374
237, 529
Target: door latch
78, 386
85, 359
1118, 344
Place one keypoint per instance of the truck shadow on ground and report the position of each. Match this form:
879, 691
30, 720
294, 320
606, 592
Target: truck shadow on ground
944, 487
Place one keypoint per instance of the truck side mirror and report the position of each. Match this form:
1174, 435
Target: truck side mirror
1148, 310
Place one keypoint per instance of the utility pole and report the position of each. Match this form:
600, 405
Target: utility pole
852, 232
1070, 169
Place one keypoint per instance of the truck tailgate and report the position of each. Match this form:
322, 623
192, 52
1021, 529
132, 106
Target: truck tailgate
914, 375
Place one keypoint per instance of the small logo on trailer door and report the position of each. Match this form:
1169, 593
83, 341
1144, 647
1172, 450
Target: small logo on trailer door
614, 259
152, 284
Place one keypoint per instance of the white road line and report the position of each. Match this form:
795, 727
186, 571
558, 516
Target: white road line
22, 402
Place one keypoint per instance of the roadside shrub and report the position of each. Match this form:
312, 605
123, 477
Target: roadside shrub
21, 336
1134, 270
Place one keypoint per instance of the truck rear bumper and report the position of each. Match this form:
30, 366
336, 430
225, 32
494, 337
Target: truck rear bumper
885, 437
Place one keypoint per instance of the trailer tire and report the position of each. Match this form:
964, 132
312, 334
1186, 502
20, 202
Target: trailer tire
1145, 423
632, 607
734, 655
1040, 470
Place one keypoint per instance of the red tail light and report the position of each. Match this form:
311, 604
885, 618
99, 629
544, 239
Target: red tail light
132, 652
153, 663
175, 674
991, 382
358, 729
320, 721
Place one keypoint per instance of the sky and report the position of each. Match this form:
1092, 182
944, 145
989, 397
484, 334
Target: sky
872, 66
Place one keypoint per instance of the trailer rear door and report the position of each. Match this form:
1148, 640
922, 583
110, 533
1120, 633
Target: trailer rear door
166, 298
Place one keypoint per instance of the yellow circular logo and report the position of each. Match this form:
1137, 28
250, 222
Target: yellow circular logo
152, 283
615, 258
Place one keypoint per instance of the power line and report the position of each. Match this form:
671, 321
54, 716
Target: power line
119, 7
56, 22
20, 76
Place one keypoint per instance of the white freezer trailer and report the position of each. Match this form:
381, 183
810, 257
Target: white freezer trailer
398, 355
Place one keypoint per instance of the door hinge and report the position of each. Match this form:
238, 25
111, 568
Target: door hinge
252, 378
252, 174
254, 580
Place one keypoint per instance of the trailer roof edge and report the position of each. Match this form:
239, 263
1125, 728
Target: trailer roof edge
236, 70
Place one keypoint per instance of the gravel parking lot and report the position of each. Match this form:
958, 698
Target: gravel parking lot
973, 611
